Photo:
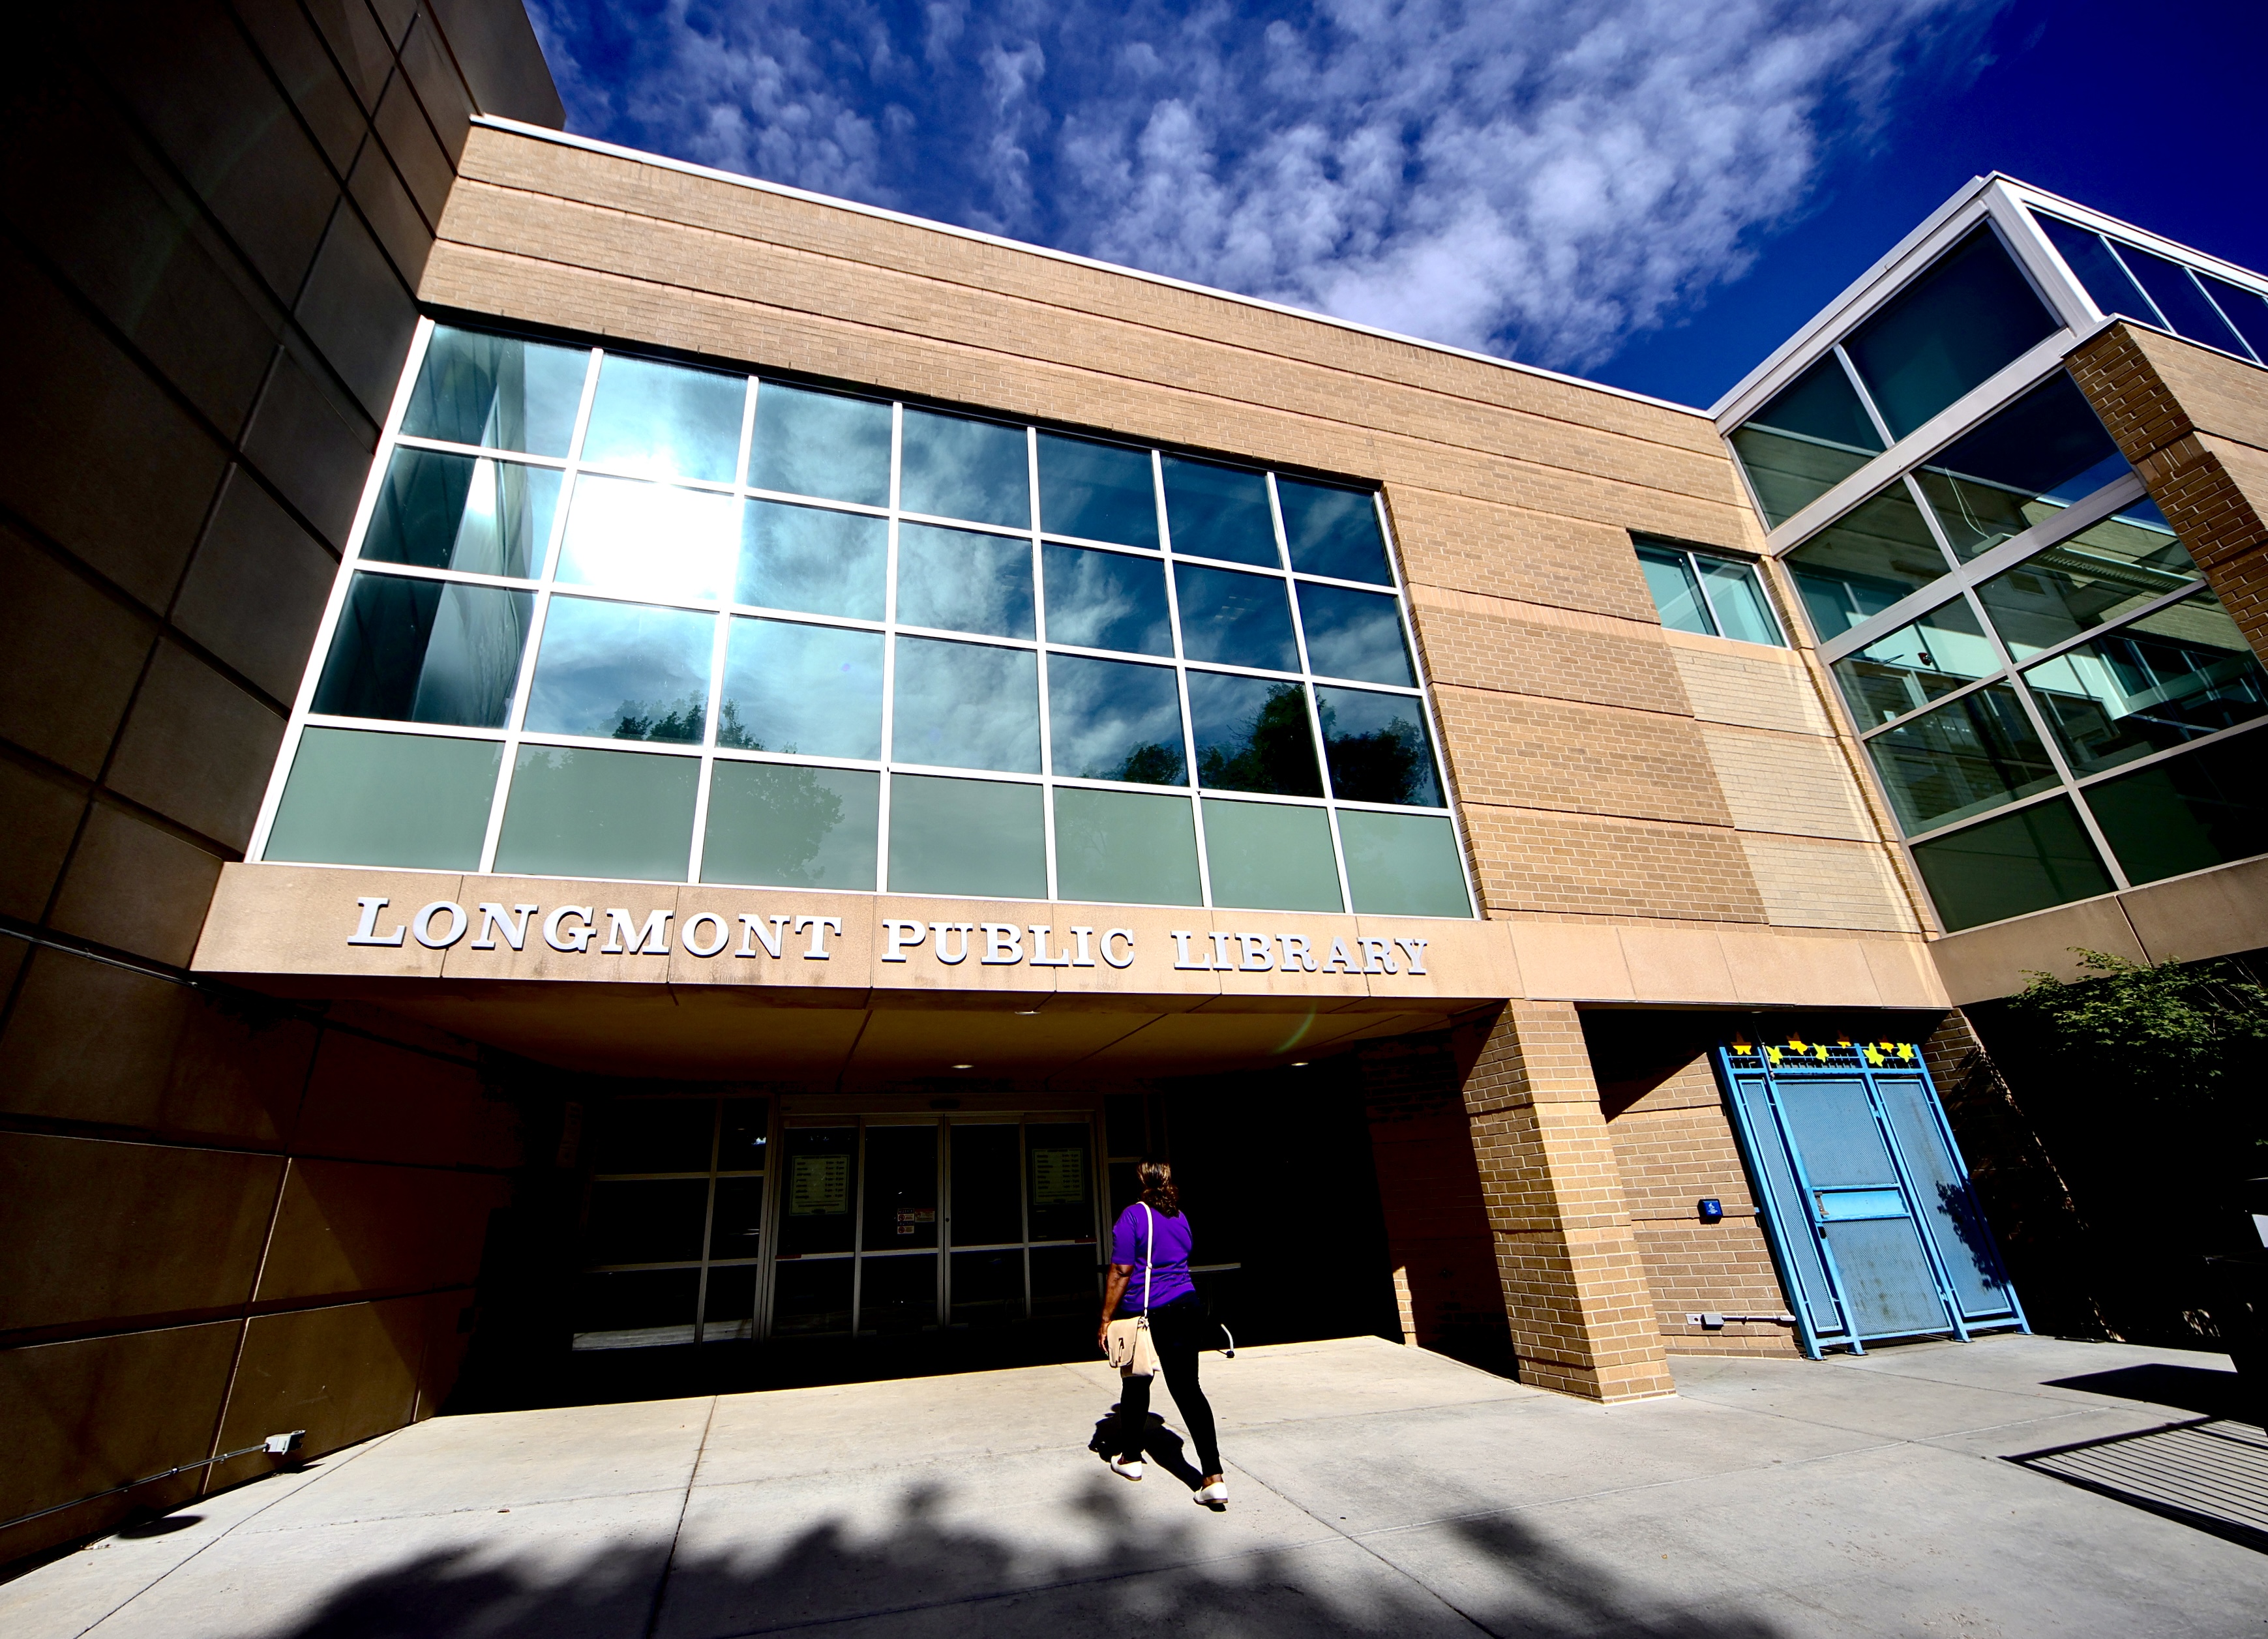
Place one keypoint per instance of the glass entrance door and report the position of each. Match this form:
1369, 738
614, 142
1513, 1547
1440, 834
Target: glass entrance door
891, 1223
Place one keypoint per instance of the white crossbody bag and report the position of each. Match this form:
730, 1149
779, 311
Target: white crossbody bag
1128, 1341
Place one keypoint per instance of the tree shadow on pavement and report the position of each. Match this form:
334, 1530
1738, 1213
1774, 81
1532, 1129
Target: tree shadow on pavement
1103, 1560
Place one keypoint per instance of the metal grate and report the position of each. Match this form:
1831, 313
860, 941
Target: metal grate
2210, 1474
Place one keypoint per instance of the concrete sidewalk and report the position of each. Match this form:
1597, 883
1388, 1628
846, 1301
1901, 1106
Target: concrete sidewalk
1375, 1489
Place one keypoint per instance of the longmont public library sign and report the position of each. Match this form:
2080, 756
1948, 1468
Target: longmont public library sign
312, 920
448, 945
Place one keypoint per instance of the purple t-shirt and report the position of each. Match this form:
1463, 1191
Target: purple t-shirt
1170, 1256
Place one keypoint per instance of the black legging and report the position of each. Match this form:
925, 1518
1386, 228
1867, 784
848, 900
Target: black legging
1177, 1331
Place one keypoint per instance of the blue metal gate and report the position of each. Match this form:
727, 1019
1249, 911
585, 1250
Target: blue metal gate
1866, 1201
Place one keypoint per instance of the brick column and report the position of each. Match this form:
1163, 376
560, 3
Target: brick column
2195, 425
1574, 1290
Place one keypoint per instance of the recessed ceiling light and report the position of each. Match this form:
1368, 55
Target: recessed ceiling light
964, 1067
1028, 1013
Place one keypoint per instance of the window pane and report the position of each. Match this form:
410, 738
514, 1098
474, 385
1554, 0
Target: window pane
820, 443
635, 1309
952, 466
1971, 754
2022, 466
1739, 598
622, 670
2202, 809
2096, 576
897, 1294
742, 1136
666, 421
1268, 857
810, 690
497, 390
1235, 619
1944, 651
1065, 1282
2245, 309
456, 512
960, 581
1355, 634
988, 1202
2012, 866
1253, 735
728, 1308
738, 1218
771, 825
1970, 314
1403, 864
647, 1220
1810, 437
966, 706
809, 559
1219, 512
1106, 600
812, 1299
1098, 491
1377, 747
426, 652
2112, 287
988, 1287
981, 838
648, 540
1114, 720
599, 813
1060, 1162
902, 1192
1676, 592
362, 798
1333, 531
1859, 567
820, 1190
1125, 848
651, 1135
2176, 675
2180, 300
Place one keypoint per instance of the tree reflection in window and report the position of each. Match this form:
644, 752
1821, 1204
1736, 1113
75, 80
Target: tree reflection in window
1247, 745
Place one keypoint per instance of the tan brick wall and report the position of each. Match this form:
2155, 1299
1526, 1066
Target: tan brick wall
1588, 789
1575, 1292
2195, 425
1674, 1145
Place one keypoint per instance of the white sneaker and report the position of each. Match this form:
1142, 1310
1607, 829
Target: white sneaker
1214, 1495
1126, 1470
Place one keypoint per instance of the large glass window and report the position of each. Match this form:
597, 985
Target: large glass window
1971, 314
1943, 651
2019, 468
1877, 554
2127, 280
673, 1223
2171, 676
874, 646
1974, 754
1813, 434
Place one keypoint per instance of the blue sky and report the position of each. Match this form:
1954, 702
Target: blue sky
1651, 193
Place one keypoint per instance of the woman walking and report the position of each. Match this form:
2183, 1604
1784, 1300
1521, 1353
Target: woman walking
1150, 1276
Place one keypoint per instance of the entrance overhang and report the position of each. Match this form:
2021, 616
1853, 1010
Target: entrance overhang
850, 990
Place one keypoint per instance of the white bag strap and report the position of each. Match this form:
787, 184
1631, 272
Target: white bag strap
1149, 1255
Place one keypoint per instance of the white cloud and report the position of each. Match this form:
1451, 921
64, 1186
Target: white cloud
1524, 176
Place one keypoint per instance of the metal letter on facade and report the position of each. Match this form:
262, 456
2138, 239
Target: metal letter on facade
366, 931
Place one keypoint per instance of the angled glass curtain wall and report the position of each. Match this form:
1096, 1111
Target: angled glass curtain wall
2011, 641
2055, 703
1966, 316
2125, 280
615, 617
